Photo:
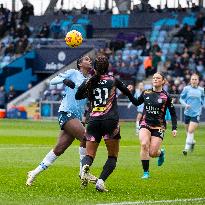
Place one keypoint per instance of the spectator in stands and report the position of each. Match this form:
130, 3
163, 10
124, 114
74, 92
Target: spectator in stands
26, 11
2, 24
10, 49
148, 66
199, 24
195, 48
2, 9
84, 10
155, 61
140, 41
21, 45
195, 8
155, 48
56, 28
11, 94
22, 30
44, 32
174, 31
188, 36
2, 98
146, 50
2, 49
173, 89
200, 67
159, 9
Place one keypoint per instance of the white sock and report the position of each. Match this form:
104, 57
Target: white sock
189, 140
100, 181
82, 153
137, 126
47, 161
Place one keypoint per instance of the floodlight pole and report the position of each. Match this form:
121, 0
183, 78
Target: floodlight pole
13, 5
201, 3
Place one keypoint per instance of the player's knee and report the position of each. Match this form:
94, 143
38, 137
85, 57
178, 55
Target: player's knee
144, 146
153, 153
81, 135
59, 150
190, 131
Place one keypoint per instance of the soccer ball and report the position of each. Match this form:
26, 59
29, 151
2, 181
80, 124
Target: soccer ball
73, 39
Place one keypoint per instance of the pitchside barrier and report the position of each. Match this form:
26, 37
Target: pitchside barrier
49, 110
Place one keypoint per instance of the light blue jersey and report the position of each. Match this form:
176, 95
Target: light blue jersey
69, 103
136, 95
193, 97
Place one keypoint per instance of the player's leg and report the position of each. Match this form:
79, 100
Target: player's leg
139, 115
186, 124
82, 153
93, 137
91, 149
111, 133
145, 137
76, 129
191, 125
82, 148
113, 150
156, 141
191, 130
63, 143
71, 128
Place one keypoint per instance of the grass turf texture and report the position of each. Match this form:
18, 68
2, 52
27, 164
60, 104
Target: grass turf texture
23, 144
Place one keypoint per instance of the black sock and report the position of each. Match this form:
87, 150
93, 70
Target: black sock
108, 168
87, 160
145, 165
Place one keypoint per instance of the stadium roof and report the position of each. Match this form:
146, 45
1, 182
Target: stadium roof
41, 5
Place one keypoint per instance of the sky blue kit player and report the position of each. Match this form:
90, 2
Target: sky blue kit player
192, 97
70, 115
69, 104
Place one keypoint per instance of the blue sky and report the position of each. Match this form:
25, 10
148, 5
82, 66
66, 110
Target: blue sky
40, 5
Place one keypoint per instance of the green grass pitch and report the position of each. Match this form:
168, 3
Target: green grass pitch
23, 144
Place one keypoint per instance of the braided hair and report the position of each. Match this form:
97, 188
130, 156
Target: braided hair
101, 65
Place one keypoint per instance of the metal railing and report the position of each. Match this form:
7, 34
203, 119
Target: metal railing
49, 110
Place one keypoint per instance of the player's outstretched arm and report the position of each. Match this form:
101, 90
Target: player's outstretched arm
122, 87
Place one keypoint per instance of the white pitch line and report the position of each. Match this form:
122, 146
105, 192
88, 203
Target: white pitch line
74, 147
156, 202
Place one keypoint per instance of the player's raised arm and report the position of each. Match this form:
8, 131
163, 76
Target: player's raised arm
122, 87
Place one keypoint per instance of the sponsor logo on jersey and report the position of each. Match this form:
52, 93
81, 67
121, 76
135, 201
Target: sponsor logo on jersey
147, 91
152, 110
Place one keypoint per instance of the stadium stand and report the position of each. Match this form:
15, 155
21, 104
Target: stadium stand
169, 40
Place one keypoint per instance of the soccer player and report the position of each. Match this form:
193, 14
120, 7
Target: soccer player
192, 97
138, 91
70, 114
103, 120
153, 124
